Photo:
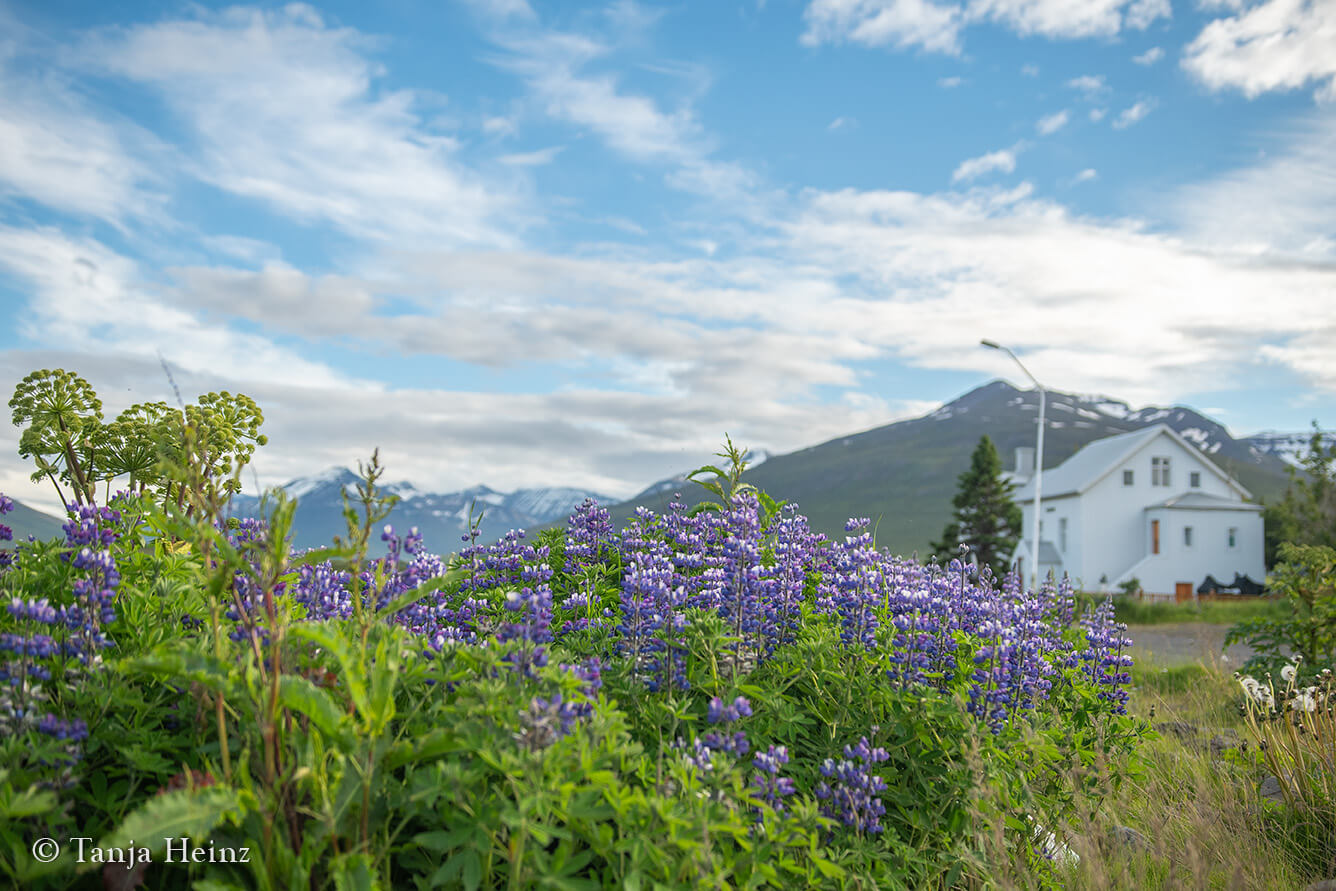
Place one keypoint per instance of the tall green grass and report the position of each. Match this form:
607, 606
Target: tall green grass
1217, 612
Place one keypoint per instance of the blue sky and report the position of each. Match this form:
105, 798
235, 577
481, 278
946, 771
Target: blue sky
573, 244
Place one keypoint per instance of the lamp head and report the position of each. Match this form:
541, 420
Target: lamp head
990, 344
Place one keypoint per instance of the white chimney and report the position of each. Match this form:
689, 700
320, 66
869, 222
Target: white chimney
1025, 461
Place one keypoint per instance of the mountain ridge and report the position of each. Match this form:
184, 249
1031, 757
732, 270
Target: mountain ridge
902, 475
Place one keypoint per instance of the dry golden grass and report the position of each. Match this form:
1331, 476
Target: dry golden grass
1194, 818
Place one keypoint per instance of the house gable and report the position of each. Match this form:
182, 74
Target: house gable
1195, 454
1095, 461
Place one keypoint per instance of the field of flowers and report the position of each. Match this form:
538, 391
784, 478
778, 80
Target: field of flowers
716, 698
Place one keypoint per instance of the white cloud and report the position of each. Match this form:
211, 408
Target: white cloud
1064, 19
1030, 70
896, 23
1282, 206
58, 151
1133, 113
532, 159
950, 83
632, 125
1275, 45
1085, 176
937, 27
1050, 124
1003, 161
284, 110
1097, 114
1091, 85
841, 123
1149, 57
933, 272
87, 297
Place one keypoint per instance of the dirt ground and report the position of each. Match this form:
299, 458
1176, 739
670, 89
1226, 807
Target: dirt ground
1186, 643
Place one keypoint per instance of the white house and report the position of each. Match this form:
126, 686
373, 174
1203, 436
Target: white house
1147, 505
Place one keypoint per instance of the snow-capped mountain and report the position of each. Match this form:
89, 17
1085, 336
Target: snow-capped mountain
442, 517
1288, 447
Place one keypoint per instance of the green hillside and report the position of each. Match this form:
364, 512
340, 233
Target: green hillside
25, 521
902, 476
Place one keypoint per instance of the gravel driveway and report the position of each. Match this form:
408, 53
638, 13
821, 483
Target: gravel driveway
1185, 643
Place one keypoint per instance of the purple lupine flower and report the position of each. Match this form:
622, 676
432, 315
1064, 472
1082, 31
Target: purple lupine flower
719, 712
854, 796
770, 786
589, 535
1104, 658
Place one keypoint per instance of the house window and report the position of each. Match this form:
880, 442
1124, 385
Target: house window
1155, 536
1159, 471
1062, 534
1194, 479
1127, 477
1187, 536
1233, 536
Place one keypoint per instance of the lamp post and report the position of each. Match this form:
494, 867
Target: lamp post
1038, 461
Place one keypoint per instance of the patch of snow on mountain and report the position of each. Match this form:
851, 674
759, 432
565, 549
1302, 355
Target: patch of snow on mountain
1196, 436
1213, 448
1061, 406
1113, 409
404, 490
756, 457
1288, 447
305, 485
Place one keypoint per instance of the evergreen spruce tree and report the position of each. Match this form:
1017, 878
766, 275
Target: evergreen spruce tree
985, 517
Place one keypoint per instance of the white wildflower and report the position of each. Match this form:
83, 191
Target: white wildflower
1305, 700
1287, 673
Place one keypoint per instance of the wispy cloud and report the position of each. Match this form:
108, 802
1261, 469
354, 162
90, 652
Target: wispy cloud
950, 83
1003, 161
1085, 176
59, 151
1030, 70
938, 26
1149, 57
319, 143
1133, 113
633, 125
1090, 85
1050, 124
841, 124
532, 159
896, 23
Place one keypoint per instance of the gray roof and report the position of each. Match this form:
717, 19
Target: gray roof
1093, 460
1202, 501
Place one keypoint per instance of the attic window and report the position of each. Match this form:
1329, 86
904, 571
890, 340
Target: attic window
1159, 471
1127, 477
1194, 479
1187, 536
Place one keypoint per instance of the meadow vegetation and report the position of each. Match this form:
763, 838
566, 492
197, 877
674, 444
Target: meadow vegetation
706, 698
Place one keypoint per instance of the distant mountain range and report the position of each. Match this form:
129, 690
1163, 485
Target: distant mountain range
902, 475
442, 518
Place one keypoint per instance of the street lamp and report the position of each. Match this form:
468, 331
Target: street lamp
1038, 462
